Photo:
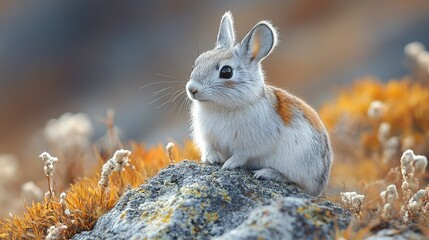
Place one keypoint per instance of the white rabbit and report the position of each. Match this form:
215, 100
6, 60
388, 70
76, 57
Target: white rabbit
240, 121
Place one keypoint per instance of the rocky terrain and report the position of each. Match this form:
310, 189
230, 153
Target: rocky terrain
189, 200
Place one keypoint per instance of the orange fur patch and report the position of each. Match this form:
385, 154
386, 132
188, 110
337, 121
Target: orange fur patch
285, 103
284, 106
256, 45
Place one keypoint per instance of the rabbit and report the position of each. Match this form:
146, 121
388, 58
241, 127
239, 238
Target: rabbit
241, 122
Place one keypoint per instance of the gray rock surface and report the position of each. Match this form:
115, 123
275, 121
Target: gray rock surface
189, 200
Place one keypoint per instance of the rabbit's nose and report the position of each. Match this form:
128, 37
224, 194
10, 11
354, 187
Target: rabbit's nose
192, 89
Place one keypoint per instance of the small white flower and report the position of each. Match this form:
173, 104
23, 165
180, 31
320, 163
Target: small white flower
50, 163
413, 49
67, 212
117, 163
390, 194
420, 164
63, 195
56, 232
376, 109
411, 166
387, 211
352, 200
121, 159
169, 148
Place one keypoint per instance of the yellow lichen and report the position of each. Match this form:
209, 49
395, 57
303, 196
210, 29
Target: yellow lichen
195, 190
225, 196
211, 217
316, 215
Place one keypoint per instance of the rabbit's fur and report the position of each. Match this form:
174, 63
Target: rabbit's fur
242, 122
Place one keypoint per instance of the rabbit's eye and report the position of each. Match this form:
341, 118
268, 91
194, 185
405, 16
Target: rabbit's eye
226, 72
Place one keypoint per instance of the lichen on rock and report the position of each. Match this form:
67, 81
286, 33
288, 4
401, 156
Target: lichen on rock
190, 200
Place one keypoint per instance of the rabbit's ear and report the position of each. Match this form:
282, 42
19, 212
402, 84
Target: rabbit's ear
259, 42
226, 35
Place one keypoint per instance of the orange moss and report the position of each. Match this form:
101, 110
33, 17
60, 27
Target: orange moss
407, 110
84, 198
359, 154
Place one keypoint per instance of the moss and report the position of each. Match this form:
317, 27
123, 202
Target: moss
407, 111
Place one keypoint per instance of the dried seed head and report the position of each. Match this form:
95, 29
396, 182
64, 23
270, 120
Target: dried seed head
56, 232
169, 148
352, 200
411, 166
67, 212
376, 109
420, 163
390, 195
121, 159
413, 49
63, 196
50, 162
117, 163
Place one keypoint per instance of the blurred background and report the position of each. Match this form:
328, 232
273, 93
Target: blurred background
90, 56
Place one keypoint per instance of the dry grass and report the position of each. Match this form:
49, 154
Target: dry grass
84, 198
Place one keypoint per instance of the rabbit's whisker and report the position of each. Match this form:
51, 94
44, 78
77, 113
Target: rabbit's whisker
154, 83
183, 100
160, 75
169, 101
166, 88
171, 71
171, 92
176, 95
172, 107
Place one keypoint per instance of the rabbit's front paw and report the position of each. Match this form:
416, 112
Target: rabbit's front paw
211, 158
270, 174
235, 161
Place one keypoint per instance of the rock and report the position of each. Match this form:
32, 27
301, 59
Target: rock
394, 234
287, 218
190, 200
